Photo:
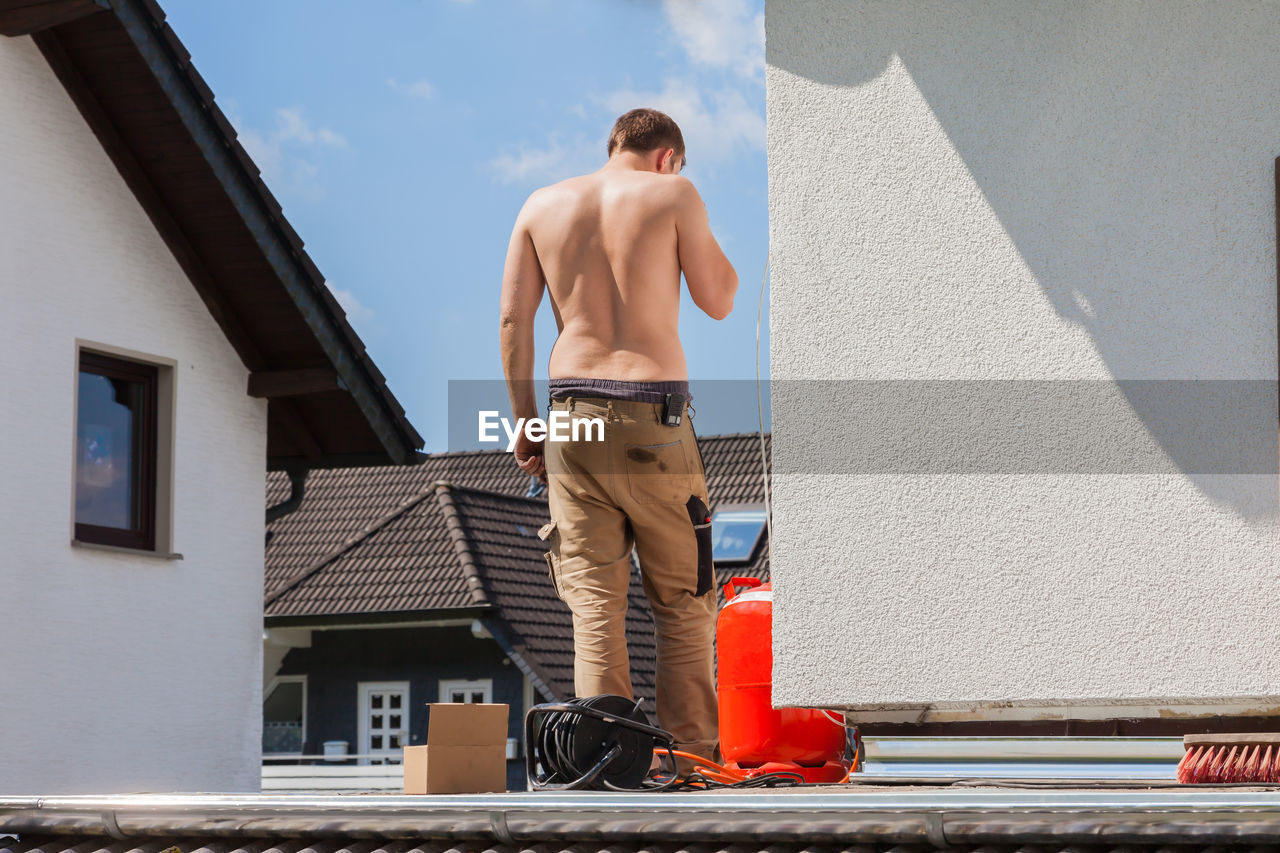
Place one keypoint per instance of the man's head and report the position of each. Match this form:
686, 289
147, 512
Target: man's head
647, 131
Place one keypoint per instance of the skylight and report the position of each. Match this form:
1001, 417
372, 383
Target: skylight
735, 534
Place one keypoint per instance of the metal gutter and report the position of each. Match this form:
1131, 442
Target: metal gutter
935, 816
297, 491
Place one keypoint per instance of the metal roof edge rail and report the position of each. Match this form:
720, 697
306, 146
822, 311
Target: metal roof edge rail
1055, 747
921, 816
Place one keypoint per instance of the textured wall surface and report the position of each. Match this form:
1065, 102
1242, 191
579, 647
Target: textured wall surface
973, 193
119, 672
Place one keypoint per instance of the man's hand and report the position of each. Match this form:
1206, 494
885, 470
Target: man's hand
529, 456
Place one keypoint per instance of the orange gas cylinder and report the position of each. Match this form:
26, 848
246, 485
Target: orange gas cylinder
753, 733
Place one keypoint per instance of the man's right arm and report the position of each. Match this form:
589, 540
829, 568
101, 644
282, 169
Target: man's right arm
522, 286
711, 278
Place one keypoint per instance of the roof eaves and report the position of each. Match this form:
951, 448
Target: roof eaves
498, 628
375, 619
192, 101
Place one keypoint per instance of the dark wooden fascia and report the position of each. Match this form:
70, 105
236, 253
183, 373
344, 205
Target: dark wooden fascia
25, 17
267, 230
135, 177
291, 383
148, 196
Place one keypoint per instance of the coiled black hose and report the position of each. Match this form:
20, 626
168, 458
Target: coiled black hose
600, 742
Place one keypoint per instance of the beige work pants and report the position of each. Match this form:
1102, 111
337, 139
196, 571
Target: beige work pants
643, 485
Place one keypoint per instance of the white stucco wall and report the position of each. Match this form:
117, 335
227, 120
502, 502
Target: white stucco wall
117, 672
1009, 190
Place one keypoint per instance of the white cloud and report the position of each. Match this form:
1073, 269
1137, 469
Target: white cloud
423, 89
282, 154
552, 162
357, 312
720, 33
292, 126
714, 129
720, 118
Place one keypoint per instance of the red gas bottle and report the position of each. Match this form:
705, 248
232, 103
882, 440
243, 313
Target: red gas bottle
755, 737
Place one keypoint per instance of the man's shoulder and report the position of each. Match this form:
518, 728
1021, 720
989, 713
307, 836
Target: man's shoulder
642, 188
557, 192
541, 199
654, 190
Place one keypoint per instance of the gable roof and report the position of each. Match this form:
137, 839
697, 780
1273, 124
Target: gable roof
156, 118
340, 504
456, 536
403, 561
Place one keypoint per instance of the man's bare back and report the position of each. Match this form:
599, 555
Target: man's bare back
606, 243
610, 246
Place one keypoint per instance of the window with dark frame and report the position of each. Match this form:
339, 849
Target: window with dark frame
116, 422
735, 533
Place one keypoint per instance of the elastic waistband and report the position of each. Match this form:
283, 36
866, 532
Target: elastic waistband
619, 408
617, 389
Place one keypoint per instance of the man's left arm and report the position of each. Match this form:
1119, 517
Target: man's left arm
522, 287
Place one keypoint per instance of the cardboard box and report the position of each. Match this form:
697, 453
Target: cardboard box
465, 753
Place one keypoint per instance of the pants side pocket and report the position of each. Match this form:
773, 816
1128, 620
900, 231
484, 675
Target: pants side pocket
551, 572
551, 536
700, 517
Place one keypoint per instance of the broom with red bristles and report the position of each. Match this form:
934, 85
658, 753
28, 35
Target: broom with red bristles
1230, 758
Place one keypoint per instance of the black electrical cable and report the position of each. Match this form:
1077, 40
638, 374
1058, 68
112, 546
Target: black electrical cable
600, 742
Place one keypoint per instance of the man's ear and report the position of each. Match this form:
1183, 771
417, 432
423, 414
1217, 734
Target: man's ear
665, 160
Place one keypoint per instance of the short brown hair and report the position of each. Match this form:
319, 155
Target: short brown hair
644, 130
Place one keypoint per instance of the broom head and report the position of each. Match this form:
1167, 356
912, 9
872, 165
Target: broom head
1230, 758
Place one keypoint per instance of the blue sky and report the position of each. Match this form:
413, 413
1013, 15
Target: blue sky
402, 137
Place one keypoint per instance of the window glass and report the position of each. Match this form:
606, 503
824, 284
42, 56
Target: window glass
478, 691
107, 454
282, 718
115, 455
735, 533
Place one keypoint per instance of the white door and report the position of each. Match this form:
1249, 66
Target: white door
384, 721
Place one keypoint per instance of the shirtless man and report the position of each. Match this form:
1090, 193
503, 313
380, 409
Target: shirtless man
611, 246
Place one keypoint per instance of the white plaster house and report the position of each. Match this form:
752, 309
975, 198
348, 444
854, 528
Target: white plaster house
1080, 196
165, 339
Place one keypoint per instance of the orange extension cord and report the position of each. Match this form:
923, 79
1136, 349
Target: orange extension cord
720, 773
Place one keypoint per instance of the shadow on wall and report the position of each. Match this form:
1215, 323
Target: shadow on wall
1131, 165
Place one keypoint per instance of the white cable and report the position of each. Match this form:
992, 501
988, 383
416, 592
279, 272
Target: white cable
839, 722
764, 457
